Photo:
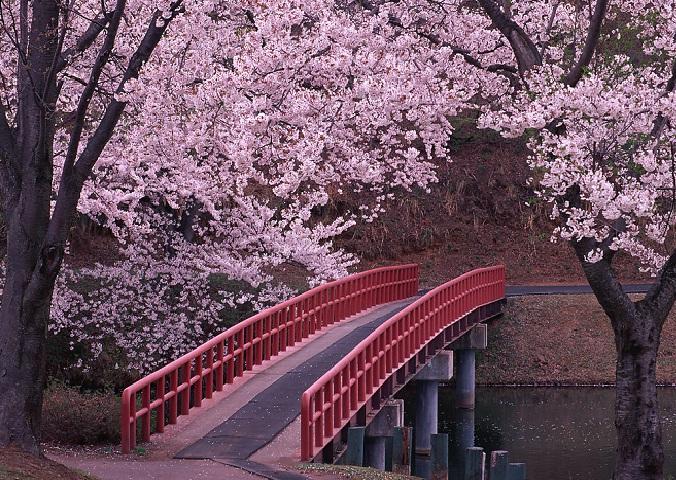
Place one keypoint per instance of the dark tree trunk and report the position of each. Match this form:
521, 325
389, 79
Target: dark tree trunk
29, 283
22, 376
637, 327
639, 435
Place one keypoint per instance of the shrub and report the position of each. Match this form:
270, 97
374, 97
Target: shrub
70, 416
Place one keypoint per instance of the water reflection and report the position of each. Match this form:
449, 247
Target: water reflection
560, 433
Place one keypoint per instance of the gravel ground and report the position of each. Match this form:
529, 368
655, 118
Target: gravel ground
560, 340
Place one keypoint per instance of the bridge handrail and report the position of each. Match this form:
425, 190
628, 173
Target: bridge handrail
329, 404
182, 384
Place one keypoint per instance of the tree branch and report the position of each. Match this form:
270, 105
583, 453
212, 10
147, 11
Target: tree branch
84, 42
600, 275
506, 70
72, 183
7, 152
661, 120
605, 285
7, 138
590, 43
527, 55
90, 89
661, 296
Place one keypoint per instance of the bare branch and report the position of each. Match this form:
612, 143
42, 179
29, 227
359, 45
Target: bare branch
7, 152
661, 120
590, 43
84, 41
526, 52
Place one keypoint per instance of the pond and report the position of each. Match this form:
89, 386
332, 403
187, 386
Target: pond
560, 433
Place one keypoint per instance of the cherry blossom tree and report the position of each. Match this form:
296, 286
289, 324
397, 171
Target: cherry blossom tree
596, 97
204, 136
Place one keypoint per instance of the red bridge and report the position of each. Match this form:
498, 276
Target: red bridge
335, 355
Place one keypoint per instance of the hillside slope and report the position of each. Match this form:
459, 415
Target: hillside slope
481, 212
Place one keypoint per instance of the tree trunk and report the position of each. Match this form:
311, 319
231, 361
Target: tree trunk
639, 435
22, 375
31, 272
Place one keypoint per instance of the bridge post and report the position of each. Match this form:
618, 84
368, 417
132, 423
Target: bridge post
402, 450
439, 457
498, 465
465, 382
464, 428
516, 471
382, 426
438, 369
475, 464
355, 446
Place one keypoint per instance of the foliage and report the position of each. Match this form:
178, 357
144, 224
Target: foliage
246, 119
71, 416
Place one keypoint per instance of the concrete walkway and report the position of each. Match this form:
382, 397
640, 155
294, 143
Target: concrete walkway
252, 428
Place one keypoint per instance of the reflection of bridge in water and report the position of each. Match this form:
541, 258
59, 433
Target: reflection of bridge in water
336, 355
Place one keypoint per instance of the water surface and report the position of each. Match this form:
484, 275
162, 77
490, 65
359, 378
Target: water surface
560, 433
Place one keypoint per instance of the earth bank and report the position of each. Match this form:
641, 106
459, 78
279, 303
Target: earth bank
560, 340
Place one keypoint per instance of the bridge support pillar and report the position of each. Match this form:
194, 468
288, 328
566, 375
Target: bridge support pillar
388, 418
439, 369
466, 347
426, 414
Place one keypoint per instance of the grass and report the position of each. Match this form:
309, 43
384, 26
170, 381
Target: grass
347, 471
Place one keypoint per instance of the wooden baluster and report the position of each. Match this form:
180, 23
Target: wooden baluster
173, 401
210, 375
219, 370
145, 422
197, 387
159, 419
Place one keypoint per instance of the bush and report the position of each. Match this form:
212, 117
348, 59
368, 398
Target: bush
70, 416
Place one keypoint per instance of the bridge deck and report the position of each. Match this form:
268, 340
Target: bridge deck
260, 414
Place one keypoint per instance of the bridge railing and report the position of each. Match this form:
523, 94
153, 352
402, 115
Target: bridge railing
329, 404
159, 398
